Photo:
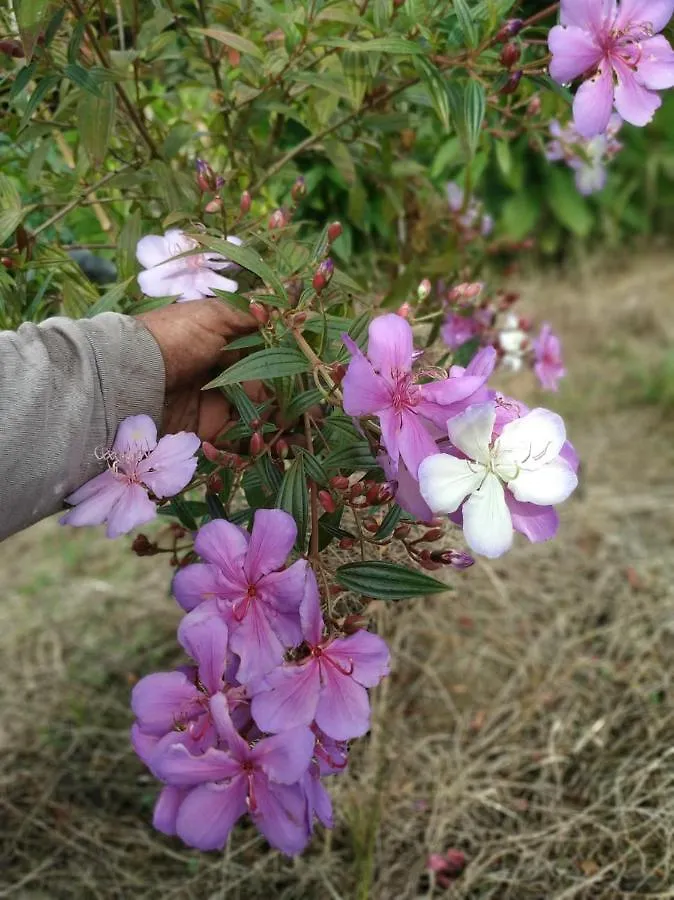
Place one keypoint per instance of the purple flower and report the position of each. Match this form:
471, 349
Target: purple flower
265, 780
628, 61
383, 384
457, 329
240, 582
586, 156
524, 464
328, 685
468, 215
548, 366
189, 277
137, 464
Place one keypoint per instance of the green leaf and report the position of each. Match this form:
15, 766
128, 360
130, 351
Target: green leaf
328, 528
87, 79
75, 41
549, 84
276, 362
96, 114
312, 466
397, 46
245, 342
185, 513
300, 403
293, 497
242, 401
11, 212
568, 206
109, 302
42, 88
215, 508
387, 581
474, 108
520, 214
356, 76
354, 457
437, 88
22, 80
463, 14
389, 523
249, 259
229, 39
126, 246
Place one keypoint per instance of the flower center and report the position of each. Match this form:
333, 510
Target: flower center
240, 610
123, 465
625, 45
405, 393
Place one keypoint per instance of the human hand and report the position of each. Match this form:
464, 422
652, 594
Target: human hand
193, 340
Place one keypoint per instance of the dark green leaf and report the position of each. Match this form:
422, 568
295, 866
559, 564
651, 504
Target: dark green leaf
302, 402
312, 466
248, 340
475, 105
389, 523
354, 457
215, 508
185, 513
328, 528
396, 46
276, 362
109, 302
243, 403
22, 79
387, 581
546, 82
463, 14
88, 79
42, 88
293, 497
249, 259
126, 246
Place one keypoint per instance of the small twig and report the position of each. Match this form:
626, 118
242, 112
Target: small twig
73, 203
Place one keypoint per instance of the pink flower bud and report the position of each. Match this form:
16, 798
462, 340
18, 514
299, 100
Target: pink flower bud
12, 48
510, 54
206, 180
455, 558
256, 444
282, 448
211, 453
339, 482
245, 203
338, 371
455, 862
534, 106
401, 531
404, 311
346, 543
327, 502
214, 483
509, 30
512, 83
323, 275
259, 312
299, 189
334, 231
424, 289
431, 536
370, 524
277, 220
214, 205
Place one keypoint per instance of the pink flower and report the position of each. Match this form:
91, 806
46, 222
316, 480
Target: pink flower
137, 464
187, 278
328, 685
241, 582
457, 330
548, 366
628, 61
383, 384
586, 156
498, 473
265, 780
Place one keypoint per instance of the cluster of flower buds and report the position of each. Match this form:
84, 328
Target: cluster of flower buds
446, 867
222, 458
358, 495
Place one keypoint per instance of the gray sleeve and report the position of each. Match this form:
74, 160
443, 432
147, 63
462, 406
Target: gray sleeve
64, 388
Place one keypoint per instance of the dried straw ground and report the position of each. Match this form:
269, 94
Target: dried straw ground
528, 721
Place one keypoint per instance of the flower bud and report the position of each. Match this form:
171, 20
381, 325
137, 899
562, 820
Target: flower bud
354, 623
387, 491
512, 83
256, 444
404, 311
509, 30
334, 231
339, 482
211, 453
282, 448
214, 205
510, 54
458, 559
534, 107
401, 531
12, 48
259, 312
277, 219
429, 565
346, 543
326, 500
143, 546
431, 536
372, 495
299, 189
398, 3
338, 371
424, 289
370, 524
214, 483
323, 275
205, 176
7, 262
245, 203
455, 862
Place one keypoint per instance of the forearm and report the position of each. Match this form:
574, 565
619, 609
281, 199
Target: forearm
64, 388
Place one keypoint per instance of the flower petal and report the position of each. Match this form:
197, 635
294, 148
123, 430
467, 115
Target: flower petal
365, 392
271, 540
285, 757
205, 637
166, 809
280, 814
170, 466
415, 442
256, 644
208, 281
635, 103
530, 442
133, 508
654, 13
537, 523
343, 710
390, 344
196, 583
151, 250
135, 435
447, 397
172, 762
224, 545
291, 700
94, 500
164, 699
574, 51
593, 103
471, 431
445, 481
209, 812
364, 654
655, 69
545, 486
587, 14
487, 525
311, 617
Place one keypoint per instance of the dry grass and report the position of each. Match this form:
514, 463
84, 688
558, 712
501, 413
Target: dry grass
528, 721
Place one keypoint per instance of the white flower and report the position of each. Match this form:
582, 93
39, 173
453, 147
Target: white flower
188, 278
523, 461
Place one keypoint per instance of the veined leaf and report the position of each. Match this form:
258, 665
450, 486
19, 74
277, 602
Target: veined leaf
293, 497
387, 581
465, 17
229, 39
96, 114
398, 46
109, 302
275, 362
249, 259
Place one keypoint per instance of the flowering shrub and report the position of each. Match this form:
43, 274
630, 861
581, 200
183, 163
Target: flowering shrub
380, 433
